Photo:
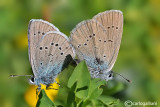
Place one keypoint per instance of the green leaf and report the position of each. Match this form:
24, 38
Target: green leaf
44, 101
80, 75
102, 101
61, 98
94, 89
108, 101
113, 87
65, 74
71, 96
94, 92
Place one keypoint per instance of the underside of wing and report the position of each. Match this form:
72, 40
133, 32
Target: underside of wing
37, 28
113, 23
90, 40
50, 54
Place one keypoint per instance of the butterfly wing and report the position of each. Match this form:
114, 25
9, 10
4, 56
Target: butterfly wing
37, 29
51, 53
89, 40
113, 23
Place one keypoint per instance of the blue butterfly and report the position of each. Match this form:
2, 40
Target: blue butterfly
97, 41
49, 49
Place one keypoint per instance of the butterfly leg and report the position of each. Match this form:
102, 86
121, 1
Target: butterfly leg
58, 84
38, 90
48, 87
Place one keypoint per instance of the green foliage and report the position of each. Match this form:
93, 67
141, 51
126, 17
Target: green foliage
82, 91
138, 57
44, 101
81, 78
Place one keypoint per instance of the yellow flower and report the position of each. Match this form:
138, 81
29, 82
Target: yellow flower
31, 97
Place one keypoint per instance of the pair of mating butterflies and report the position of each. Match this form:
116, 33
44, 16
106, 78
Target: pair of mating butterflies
97, 41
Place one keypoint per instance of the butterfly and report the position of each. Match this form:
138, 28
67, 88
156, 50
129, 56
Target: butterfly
48, 49
97, 41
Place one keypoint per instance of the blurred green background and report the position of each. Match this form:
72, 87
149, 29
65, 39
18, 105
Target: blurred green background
138, 59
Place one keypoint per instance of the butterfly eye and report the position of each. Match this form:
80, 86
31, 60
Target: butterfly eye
32, 79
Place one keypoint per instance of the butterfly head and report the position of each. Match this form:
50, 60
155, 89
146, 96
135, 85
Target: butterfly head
104, 75
108, 75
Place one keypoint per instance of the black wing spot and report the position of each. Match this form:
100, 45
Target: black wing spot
56, 45
108, 27
60, 48
85, 44
79, 45
34, 34
46, 47
105, 41
99, 61
116, 27
61, 53
66, 47
110, 75
52, 43
100, 40
39, 32
41, 63
40, 48
94, 34
110, 41
112, 26
87, 40
90, 36
50, 55
43, 33
104, 56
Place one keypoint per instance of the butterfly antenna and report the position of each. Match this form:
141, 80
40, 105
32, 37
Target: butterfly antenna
20, 76
123, 77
